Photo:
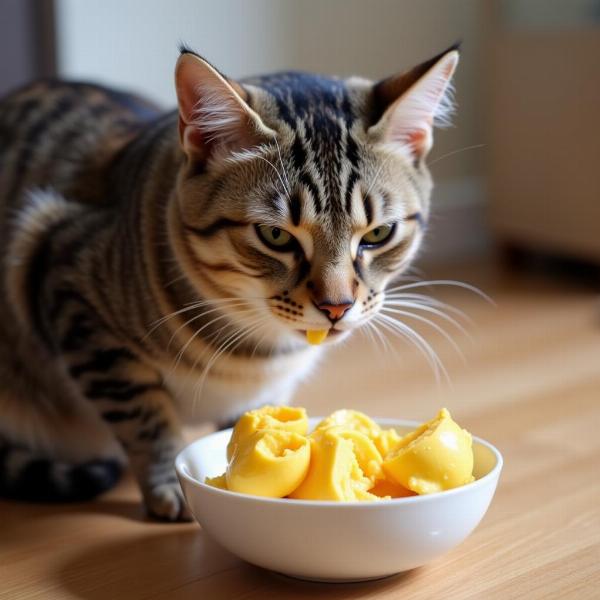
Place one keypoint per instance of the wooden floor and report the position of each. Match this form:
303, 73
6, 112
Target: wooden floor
531, 385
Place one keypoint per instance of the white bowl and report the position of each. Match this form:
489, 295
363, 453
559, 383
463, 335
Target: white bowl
335, 541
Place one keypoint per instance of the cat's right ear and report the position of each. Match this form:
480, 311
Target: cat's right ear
215, 119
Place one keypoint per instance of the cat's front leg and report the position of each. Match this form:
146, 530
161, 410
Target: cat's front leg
130, 396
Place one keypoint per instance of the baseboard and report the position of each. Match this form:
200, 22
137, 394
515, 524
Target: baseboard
458, 228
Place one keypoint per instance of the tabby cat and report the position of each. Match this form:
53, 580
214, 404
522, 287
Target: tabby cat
161, 266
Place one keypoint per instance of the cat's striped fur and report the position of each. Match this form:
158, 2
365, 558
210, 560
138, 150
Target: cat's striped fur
134, 284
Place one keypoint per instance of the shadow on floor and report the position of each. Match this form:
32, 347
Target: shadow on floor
189, 565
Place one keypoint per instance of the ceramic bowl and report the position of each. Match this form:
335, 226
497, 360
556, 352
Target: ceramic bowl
335, 541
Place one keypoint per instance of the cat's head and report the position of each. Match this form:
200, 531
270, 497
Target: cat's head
303, 196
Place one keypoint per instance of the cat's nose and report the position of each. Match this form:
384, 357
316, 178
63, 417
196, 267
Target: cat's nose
335, 312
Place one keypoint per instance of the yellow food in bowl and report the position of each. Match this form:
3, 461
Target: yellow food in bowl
351, 419
270, 462
386, 440
287, 418
367, 456
334, 472
347, 457
435, 457
385, 488
220, 481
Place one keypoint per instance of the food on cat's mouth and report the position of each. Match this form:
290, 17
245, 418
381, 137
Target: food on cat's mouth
316, 336
347, 457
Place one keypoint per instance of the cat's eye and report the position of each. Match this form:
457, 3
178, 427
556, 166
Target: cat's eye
378, 236
276, 238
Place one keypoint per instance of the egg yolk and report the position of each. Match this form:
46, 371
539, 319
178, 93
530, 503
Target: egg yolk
334, 472
270, 462
435, 457
367, 456
386, 440
287, 418
219, 482
351, 419
385, 488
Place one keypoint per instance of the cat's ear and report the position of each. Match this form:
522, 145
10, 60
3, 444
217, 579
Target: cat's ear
214, 116
408, 105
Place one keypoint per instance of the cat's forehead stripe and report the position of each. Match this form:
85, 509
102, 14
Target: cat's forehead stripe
308, 98
368, 204
320, 113
352, 180
295, 209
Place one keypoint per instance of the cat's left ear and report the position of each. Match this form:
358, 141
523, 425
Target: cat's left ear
408, 105
214, 115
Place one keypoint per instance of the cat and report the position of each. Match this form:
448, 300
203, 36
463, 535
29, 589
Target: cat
157, 266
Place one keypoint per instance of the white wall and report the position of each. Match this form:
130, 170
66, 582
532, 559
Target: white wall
133, 44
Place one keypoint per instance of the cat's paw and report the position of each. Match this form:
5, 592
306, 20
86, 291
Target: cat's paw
165, 502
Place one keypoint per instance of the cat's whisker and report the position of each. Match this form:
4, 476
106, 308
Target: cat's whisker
431, 310
412, 272
225, 300
388, 345
202, 314
399, 332
442, 312
276, 171
376, 176
258, 343
198, 331
172, 315
391, 349
204, 353
175, 280
214, 336
191, 306
188, 306
424, 300
408, 278
433, 324
420, 343
366, 331
370, 328
236, 337
289, 188
444, 282
458, 151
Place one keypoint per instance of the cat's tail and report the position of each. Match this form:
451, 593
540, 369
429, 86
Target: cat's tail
26, 475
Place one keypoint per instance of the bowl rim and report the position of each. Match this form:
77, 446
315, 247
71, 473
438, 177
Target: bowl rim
352, 504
